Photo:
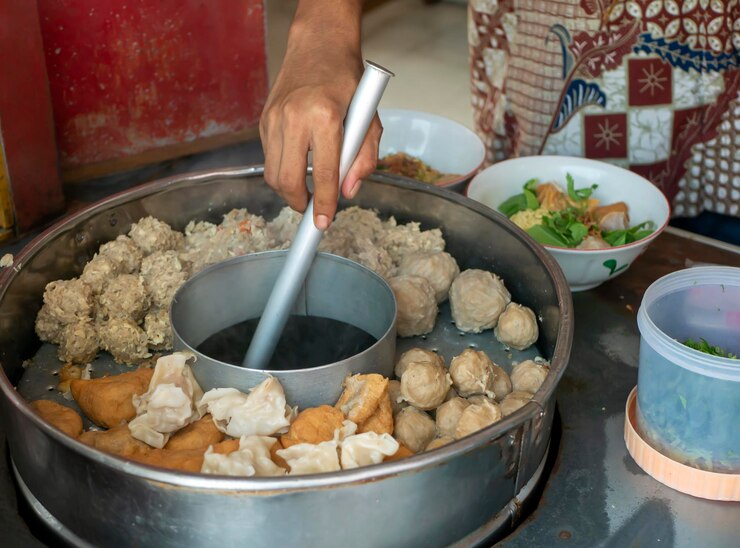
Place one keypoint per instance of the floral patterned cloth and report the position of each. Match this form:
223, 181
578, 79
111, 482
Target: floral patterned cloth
651, 85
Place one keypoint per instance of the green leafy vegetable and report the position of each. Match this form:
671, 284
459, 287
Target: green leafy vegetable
564, 227
633, 234
580, 195
704, 346
521, 202
546, 236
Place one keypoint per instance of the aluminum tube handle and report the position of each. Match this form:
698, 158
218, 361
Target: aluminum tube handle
302, 251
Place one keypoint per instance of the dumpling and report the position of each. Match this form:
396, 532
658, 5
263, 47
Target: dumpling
439, 269
477, 299
425, 384
263, 412
307, 458
366, 449
448, 415
416, 355
477, 416
514, 401
528, 376
517, 327
417, 307
123, 252
251, 459
472, 373
152, 235
169, 403
414, 428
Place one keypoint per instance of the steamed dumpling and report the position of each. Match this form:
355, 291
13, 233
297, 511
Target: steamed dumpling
366, 449
251, 459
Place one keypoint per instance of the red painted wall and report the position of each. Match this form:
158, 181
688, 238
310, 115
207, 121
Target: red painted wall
128, 76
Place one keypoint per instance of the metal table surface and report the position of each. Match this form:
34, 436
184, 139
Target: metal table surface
595, 495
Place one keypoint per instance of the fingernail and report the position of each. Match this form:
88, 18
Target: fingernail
354, 189
322, 222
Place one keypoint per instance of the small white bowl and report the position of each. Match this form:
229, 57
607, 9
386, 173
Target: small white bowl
447, 146
583, 268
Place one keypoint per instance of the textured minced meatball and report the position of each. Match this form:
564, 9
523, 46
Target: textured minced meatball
448, 415
425, 384
394, 393
477, 299
158, 329
472, 373
125, 296
400, 240
417, 307
48, 328
438, 442
126, 341
98, 272
69, 301
528, 376
477, 416
78, 343
282, 228
163, 274
416, 355
517, 327
514, 401
124, 253
152, 235
440, 269
414, 428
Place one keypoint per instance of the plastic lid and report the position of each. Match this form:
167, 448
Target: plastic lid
692, 481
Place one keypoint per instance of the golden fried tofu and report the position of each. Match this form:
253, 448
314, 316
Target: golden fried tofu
361, 396
380, 422
67, 374
277, 459
116, 441
60, 416
551, 197
402, 453
107, 401
197, 435
313, 425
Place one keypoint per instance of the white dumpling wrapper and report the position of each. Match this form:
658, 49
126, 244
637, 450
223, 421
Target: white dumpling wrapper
169, 403
366, 449
251, 459
309, 458
262, 412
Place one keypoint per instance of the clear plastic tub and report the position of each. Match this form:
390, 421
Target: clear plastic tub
688, 402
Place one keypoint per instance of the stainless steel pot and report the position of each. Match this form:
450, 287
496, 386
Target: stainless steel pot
430, 499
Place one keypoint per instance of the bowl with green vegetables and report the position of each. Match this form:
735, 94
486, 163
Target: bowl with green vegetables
594, 218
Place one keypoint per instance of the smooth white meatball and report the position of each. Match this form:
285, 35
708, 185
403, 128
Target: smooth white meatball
517, 327
414, 428
448, 415
528, 376
472, 373
417, 307
477, 416
440, 269
416, 355
394, 393
425, 384
477, 299
501, 383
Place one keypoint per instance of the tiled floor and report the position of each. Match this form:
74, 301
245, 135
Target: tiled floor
424, 45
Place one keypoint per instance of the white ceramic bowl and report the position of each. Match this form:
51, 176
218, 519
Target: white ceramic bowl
583, 268
447, 146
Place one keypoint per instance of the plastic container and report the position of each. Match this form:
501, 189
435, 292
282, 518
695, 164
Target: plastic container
688, 402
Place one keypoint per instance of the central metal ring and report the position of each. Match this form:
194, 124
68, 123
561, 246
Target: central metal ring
237, 290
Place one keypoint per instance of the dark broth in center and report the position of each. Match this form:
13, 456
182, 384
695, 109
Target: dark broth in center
307, 341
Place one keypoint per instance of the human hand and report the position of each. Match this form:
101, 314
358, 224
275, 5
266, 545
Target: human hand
306, 108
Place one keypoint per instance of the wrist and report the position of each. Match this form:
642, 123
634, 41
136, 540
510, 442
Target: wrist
333, 24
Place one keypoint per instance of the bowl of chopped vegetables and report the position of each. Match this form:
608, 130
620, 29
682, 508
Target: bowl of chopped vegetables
594, 218
428, 148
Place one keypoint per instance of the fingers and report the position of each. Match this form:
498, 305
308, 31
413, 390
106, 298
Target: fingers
272, 144
326, 144
366, 161
291, 179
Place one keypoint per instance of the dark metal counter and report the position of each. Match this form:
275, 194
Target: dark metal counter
596, 495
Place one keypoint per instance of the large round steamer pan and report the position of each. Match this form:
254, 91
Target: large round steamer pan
428, 500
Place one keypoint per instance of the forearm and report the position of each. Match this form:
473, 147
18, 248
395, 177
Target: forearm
321, 24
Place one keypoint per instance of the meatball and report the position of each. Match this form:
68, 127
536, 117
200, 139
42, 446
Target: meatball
124, 253
78, 343
472, 373
517, 327
48, 328
448, 415
163, 275
417, 307
414, 428
152, 235
394, 393
125, 340
425, 384
528, 376
438, 442
438, 268
477, 299
98, 272
477, 416
125, 296
400, 240
69, 301
416, 355
158, 329
514, 401
501, 383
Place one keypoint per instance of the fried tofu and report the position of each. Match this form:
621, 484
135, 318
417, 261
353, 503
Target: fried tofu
313, 425
362, 395
60, 416
107, 401
197, 435
380, 422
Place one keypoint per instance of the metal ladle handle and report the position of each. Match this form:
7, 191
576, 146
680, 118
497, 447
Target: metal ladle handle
302, 251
